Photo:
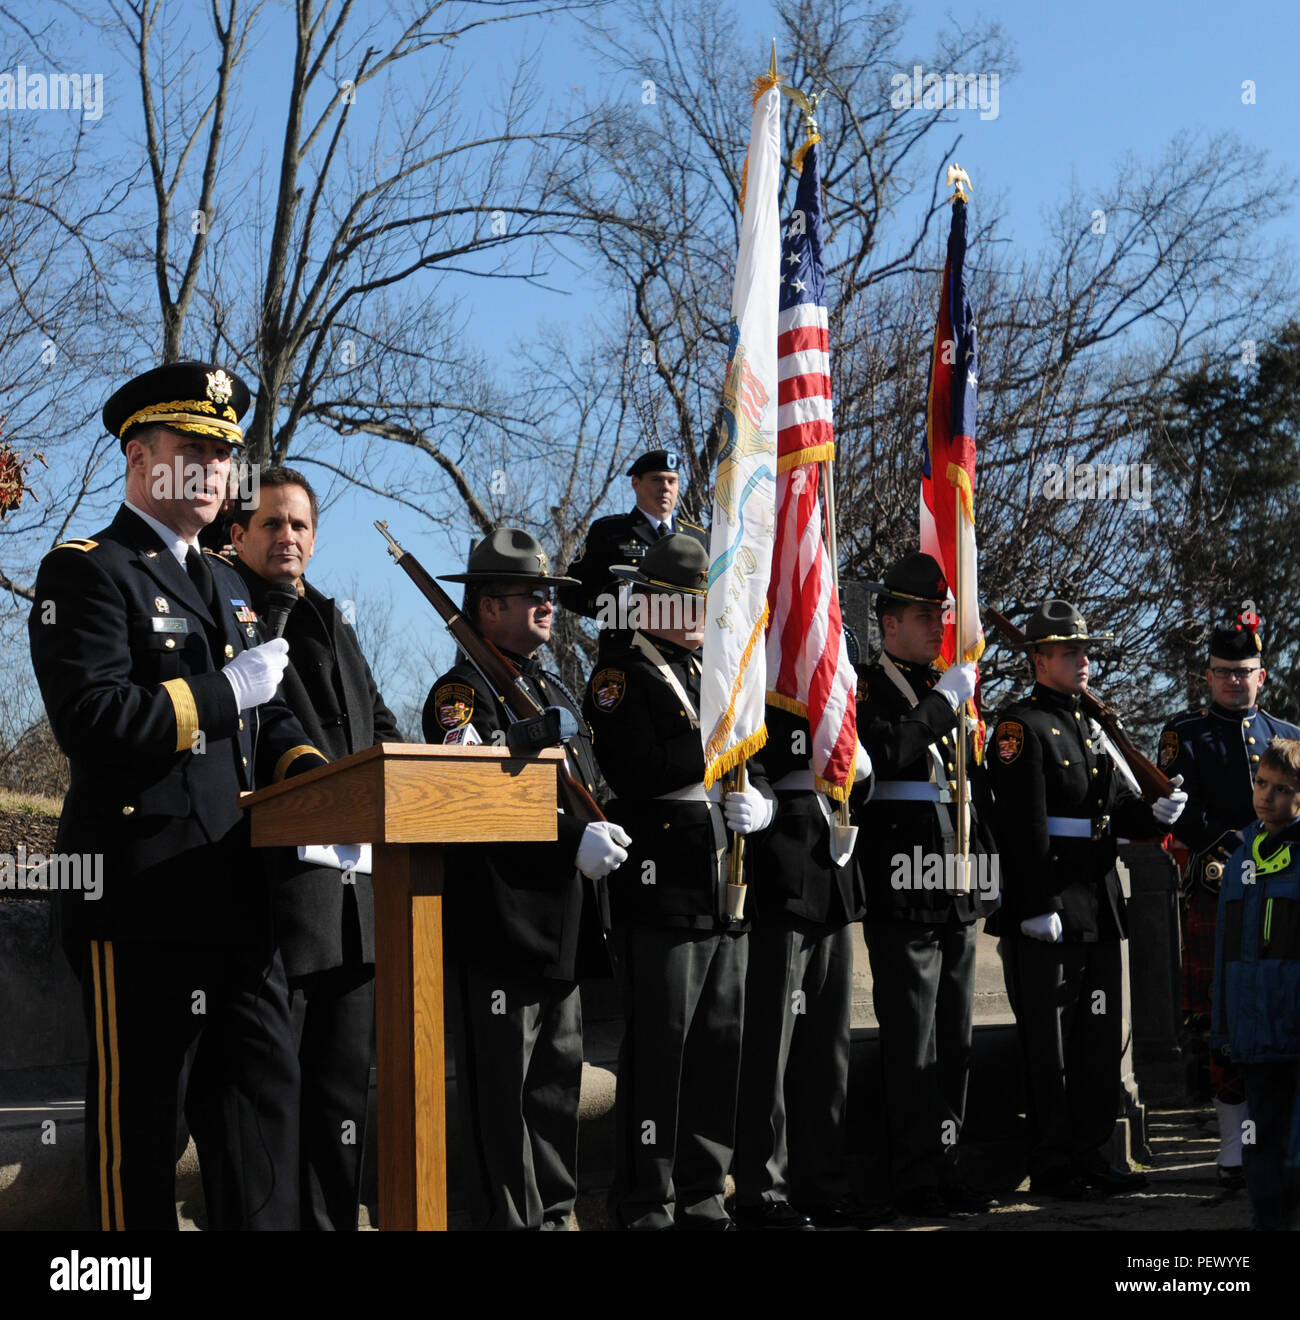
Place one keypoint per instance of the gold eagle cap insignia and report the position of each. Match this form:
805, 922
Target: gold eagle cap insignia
220, 387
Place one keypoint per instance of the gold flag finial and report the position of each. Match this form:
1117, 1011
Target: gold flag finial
958, 176
771, 73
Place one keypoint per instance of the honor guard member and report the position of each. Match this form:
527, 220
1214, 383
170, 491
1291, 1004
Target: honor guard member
1216, 750
626, 538
1061, 801
521, 924
679, 957
791, 1163
920, 923
163, 698
324, 914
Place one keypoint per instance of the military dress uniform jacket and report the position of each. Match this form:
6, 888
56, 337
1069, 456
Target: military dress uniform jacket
622, 538
128, 656
1047, 759
1217, 751
520, 907
793, 869
915, 745
648, 745
320, 922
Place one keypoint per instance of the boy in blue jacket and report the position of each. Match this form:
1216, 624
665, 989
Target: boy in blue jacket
1256, 1017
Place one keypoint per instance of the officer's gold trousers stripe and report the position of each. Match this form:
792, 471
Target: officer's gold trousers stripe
110, 1121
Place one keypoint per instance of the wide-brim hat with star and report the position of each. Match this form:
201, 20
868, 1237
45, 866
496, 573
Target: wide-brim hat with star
1059, 621
677, 564
1237, 641
918, 578
508, 555
657, 460
195, 398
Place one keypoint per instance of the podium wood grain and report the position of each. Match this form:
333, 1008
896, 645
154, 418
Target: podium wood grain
407, 800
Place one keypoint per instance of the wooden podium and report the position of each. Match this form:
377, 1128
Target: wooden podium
407, 800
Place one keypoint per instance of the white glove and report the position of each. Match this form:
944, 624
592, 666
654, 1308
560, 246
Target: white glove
1167, 809
354, 857
862, 766
748, 812
602, 848
957, 683
256, 673
1047, 927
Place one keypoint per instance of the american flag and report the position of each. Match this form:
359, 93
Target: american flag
949, 465
809, 672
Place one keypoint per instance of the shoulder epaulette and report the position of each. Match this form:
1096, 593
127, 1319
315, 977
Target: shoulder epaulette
217, 555
684, 523
77, 543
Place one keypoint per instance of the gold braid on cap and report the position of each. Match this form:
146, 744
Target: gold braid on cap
182, 412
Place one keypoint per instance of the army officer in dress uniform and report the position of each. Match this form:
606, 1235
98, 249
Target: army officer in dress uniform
521, 919
1061, 801
163, 699
679, 956
1216, 750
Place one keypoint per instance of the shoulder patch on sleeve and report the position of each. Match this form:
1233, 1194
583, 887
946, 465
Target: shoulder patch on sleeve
1010, 739
77, 543
607, 688
454, 703
1168, 753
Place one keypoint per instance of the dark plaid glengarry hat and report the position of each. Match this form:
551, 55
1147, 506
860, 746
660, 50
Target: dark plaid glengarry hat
195, 398
657, 460
676, 564
508, 555
1059, 621
917, 577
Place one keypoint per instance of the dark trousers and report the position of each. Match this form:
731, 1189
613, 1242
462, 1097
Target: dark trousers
683, 995
1067, 1002
151, 1011
923, 986
334, 1024
518, 1049
1271, 1162
791, 1134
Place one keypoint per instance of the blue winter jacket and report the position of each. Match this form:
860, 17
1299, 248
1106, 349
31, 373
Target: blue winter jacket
1256, 1010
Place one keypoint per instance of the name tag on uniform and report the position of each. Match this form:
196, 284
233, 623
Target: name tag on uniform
169, 624
634, 549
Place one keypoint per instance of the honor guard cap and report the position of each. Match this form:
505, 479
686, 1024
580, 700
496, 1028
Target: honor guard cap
196, 398
676, 564
1237, 641
1059, 621
657, 460
918, 578
508, 554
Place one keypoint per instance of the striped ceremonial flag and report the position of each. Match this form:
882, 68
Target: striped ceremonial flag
808, 665
733, 679
949, 465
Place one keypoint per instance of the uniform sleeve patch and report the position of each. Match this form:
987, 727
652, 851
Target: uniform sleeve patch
1010, 738
1168, 749
608, 687
454, 703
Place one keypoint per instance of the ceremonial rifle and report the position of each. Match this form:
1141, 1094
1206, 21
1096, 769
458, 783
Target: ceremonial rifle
1151, 779
504, 680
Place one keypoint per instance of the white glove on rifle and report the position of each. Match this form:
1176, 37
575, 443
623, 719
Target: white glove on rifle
1167, 809
1047, 928
957, 683
256, 673
602, 848
748, 812
862, 766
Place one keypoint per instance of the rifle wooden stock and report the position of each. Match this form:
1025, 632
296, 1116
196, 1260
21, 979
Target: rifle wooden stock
502, 676
1151, 779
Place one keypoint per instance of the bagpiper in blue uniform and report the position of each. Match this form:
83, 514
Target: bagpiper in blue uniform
1217, 749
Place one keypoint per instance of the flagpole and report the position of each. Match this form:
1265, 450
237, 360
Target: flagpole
959, 656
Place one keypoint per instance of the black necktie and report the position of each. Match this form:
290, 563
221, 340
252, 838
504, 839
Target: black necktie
664, 530
200, 575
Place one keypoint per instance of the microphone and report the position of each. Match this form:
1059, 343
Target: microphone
280, 598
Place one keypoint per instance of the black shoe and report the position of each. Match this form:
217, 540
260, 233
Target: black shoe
1114, 1179
780, 1216
1231, 1178
1063, 1185
704, 1226
849, 1214
922, 1203
963, 1200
